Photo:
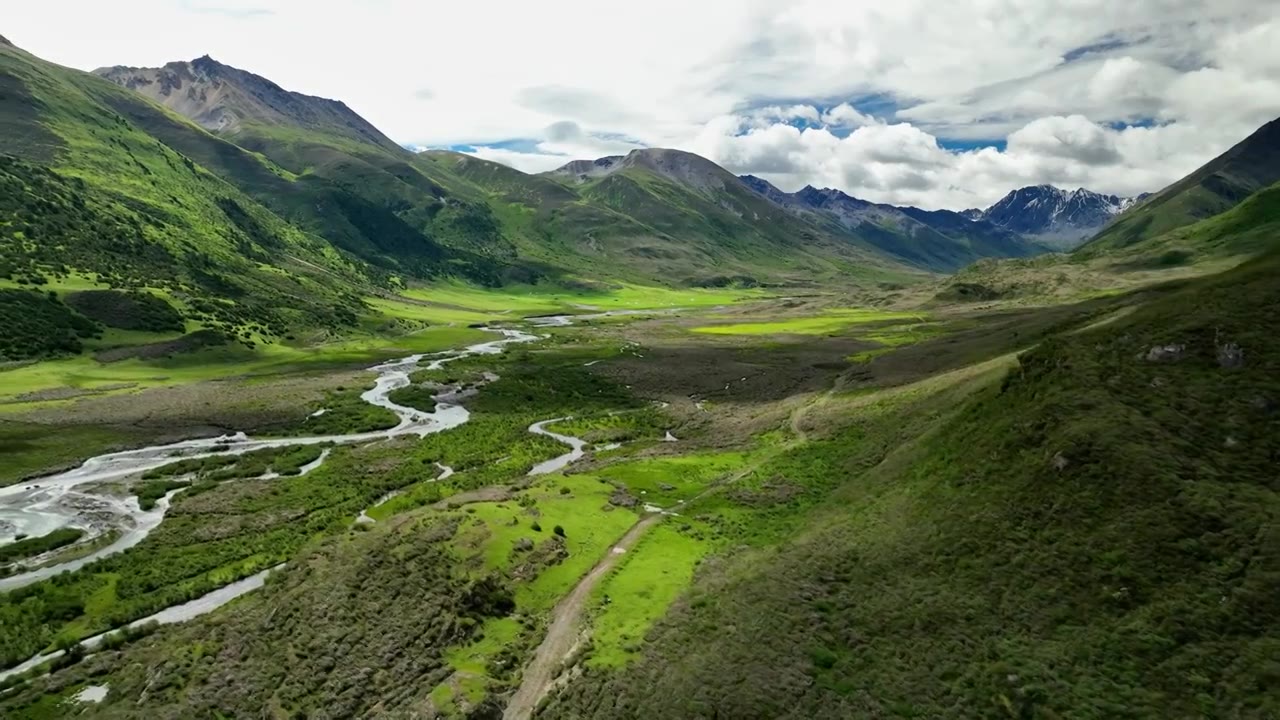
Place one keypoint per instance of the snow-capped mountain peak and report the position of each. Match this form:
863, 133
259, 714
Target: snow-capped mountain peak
1063, 217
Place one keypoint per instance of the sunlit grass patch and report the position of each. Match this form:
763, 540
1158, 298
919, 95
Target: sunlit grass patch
522, 300
829, 321
83, 372
668, 480
589, 530
896, 336
428, 313
639, 591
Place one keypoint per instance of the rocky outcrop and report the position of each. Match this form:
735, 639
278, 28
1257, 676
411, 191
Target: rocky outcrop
221, 99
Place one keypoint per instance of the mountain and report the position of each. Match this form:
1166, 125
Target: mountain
88, 190
671, 209
935, 240
1061, 218
224, 168
223, 99
1250, 166
332, 172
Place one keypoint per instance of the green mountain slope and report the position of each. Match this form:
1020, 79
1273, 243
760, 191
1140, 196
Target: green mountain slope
1094, 536
332, 172
473, 207
89, 191
1228, 179
683, 211
1246, 229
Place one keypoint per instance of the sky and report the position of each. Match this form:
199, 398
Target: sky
912, 102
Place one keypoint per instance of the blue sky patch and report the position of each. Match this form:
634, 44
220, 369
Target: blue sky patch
966, 145
1139, 123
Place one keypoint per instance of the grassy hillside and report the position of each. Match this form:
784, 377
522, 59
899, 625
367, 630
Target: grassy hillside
88, 190
696, 214
1092, 536
364, 198
1246, 229
1228, 179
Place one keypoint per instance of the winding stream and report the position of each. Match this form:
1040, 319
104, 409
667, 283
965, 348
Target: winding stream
178, 613
557, 463
40, 506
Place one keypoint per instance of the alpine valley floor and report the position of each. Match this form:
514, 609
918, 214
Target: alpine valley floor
801, 488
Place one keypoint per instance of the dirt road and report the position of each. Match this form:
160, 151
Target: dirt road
562, 633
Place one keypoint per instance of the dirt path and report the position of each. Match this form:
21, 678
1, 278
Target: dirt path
540, 674
562, 633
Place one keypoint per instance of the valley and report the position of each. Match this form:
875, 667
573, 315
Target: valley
296, 422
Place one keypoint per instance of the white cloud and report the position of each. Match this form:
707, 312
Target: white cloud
732, 78
1069, 138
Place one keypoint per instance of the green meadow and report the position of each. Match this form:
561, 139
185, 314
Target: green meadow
832, 320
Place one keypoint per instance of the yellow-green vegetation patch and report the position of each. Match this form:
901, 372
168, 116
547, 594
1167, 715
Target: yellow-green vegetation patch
896, 336
644, 423
639, 591
521, 300
667, 480
495, 635
87, 374
442, 698
579, 505
589, 530
431, 313
829, 321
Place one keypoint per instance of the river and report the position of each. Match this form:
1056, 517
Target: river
37, 507
40, 506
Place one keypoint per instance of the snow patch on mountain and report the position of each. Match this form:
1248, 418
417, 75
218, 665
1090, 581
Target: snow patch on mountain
1061, 218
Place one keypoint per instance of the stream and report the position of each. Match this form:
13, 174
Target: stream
178, 613
40, 506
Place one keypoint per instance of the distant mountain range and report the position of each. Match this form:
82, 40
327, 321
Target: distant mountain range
1028, 220
227, 185
1059, 218
935, 239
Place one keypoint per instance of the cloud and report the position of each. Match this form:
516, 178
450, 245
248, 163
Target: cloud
863, 95
534, 162
1070, 138
235, 10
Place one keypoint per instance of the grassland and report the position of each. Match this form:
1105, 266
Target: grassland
639, 592
550, 298
1003, 513
794, 491
830, 321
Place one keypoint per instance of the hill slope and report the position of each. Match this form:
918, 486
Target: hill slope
336, 175
384, 204
1219, 185
683, 208
1094, 536
89, 190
